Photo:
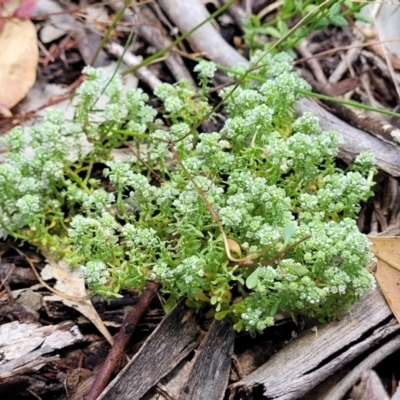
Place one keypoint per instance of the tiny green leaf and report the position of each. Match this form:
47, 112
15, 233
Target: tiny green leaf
335, 9
298, 270
338, 20
288, 232
270, 30
169, 304
252, 279
222, 314
282, 27
274, 308
364, 18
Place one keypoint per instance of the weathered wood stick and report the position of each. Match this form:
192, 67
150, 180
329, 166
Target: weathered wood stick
314, 356
171, 341
209, 375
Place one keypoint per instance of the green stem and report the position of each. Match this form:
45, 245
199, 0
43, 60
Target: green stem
75, 177
88, 173
117, 18
307, 93
134, 134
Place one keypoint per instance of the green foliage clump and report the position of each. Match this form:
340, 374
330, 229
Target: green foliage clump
250, 220
314, 14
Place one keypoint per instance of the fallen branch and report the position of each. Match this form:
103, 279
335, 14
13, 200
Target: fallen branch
122, 339
339, 391
131, 60
314, 356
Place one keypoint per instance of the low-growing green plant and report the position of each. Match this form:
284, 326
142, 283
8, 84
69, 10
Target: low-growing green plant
250, 220
259, 35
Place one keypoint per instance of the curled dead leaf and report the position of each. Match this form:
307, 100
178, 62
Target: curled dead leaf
387, 273
19, 56
234, 246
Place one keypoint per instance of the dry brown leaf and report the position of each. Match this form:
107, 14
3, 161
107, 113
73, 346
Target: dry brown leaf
71, 283
387, 251
387, 248
19, 56
234, 246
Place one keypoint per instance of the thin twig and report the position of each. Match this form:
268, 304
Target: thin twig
344, 48
7, 276
55, 291
122, 339
132, 60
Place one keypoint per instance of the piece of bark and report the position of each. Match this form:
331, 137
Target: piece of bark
339, 390
20, 313
125, 333
314, 356
209, 375
24, 343
19, 276
208, 40
160, 353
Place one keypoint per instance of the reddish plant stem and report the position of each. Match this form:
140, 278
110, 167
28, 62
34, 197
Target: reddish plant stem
122, 339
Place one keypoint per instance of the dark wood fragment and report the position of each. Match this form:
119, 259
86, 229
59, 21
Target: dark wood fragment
160, 353
314, 356
19, 275
12, 387
209, 375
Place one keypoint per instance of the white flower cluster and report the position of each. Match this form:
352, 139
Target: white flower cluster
206, 71
145, 237
95, 273
188, 274
267, 181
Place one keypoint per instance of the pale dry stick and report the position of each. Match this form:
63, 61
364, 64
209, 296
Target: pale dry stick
247, 8
389, 63
377, 61
349, 59
131, 60
268, 9
150, 29
369, 97
313, 63
338, 391
345, 48
186, 15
